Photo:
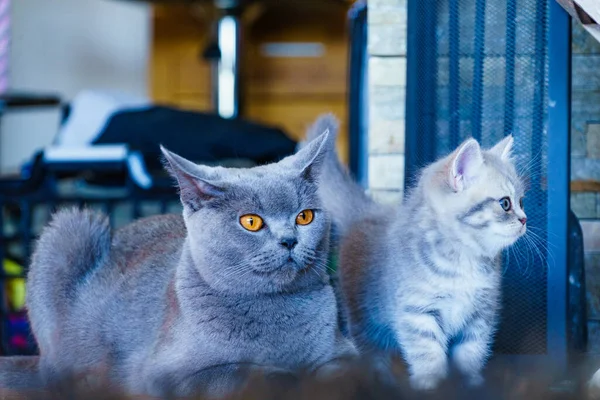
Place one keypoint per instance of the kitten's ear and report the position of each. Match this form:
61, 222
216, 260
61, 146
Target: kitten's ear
464, 164
503, 148
309, 160
194, 181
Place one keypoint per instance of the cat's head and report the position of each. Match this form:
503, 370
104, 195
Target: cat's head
478, 195
256, 230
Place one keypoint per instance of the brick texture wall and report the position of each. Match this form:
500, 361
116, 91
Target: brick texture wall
585, 164
387, 83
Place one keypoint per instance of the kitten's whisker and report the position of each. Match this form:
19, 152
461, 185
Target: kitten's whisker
535, 243
506, 256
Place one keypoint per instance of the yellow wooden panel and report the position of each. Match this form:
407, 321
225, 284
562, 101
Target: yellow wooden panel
176, 67
298, 23
296, 115
289, 92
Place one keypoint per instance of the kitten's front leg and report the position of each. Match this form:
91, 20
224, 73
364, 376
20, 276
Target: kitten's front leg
472, 350
424, 347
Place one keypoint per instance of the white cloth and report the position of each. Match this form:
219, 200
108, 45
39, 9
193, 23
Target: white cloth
90, 112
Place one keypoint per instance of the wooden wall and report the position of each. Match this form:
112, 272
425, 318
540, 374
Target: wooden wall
286, 91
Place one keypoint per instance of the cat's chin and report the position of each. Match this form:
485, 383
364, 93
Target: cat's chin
509, 240
282, 275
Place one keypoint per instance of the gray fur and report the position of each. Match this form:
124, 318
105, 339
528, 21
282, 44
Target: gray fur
175, 305
422, 279
21, 372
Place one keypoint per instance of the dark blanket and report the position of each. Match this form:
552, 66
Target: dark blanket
200, 137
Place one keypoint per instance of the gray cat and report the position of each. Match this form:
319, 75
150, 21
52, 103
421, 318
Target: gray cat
173, 305
423, 279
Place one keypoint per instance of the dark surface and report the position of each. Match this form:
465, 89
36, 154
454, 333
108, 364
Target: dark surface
577, 313
25, 100
200, 137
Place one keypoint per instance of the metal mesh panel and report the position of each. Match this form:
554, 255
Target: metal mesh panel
479, 68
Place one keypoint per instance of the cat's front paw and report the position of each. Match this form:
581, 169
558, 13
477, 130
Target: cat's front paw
425, 382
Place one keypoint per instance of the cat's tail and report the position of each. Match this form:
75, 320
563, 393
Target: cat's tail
71, 247
343, 198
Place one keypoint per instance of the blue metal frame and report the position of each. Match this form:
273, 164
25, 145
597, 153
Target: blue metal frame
454, 71
479, 59
419, 102
411, 144
358, 93
509, 82
558, 130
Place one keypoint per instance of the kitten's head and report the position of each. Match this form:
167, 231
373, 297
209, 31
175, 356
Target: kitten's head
478, 195
256, 230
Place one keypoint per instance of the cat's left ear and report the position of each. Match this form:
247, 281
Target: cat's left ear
503, 148
309, 160
197, 184
465, 162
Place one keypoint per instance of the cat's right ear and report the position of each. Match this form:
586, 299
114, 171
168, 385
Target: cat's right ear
464, 164
310, 158
503, 148
194, 181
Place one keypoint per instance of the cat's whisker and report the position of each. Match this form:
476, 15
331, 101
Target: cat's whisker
533, 161
506, 255
533, 242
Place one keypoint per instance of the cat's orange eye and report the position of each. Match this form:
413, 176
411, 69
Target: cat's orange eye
305, 217
251, 222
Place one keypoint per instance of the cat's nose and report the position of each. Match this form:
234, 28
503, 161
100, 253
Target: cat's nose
523, 220
289, 243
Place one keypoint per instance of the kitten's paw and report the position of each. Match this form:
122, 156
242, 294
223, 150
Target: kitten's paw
425, 382
593, 386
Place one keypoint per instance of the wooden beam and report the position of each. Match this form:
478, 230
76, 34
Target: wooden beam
585, 186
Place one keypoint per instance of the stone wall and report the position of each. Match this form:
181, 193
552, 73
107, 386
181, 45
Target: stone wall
387, 82
585, 164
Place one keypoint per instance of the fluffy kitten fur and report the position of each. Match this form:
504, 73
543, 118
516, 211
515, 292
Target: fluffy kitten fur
172, 305
423, 279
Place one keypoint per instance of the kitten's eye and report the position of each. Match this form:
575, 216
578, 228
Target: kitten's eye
305, 217
251, 222
521, 203
506, 203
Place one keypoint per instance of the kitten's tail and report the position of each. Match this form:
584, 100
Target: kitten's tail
343, 198
73, 245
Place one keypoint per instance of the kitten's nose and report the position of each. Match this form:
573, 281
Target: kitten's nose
523, 220
289, 243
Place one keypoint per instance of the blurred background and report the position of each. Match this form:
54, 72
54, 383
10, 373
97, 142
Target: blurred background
89, 88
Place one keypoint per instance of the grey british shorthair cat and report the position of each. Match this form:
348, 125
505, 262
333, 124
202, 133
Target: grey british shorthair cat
172, 305
423, 279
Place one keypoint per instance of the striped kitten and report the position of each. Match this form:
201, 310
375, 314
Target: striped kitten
423, 279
